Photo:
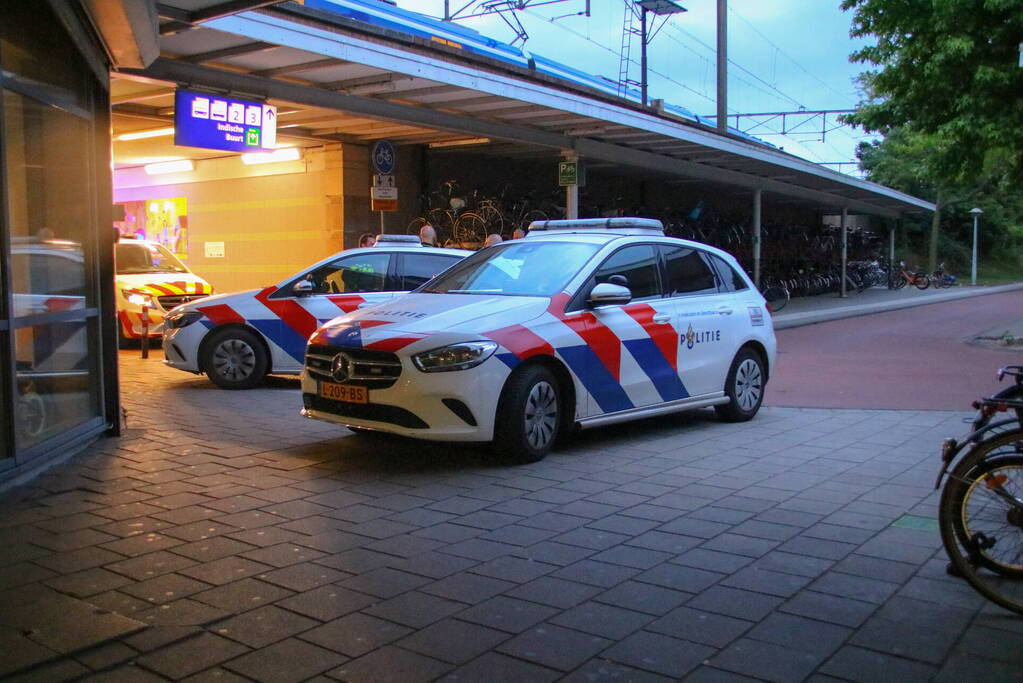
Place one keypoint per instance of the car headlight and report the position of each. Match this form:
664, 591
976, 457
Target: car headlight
455, 357
181, 319
137, 298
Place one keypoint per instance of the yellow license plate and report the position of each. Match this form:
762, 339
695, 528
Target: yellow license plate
344, 392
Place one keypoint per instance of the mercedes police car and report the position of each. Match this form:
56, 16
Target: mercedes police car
581, 323
238, 339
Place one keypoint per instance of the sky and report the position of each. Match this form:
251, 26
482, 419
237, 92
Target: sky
784, 55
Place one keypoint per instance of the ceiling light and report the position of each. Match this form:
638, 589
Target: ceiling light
141, 135
178, 166
284, 154
460, 143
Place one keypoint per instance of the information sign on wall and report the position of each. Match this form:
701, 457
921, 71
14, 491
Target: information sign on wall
215, 122
213, 249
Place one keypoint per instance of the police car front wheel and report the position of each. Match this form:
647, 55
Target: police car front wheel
235, 359
528, 415
744, 387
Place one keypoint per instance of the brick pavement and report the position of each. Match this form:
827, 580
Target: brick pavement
224, 537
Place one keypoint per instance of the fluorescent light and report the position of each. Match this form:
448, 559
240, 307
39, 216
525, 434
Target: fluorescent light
178, 166
141, 135
460, 143
284, 154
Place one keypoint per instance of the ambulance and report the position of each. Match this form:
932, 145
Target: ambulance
582, 323
150, 282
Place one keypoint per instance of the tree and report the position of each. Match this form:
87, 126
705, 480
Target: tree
948, 69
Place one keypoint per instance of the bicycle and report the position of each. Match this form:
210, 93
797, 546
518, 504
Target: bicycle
980, 514
917, 278
942, 279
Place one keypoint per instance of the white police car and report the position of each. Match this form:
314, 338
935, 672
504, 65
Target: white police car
237, 339
582, 323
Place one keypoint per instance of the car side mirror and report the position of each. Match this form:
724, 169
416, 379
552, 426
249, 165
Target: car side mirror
303, 288
607, 294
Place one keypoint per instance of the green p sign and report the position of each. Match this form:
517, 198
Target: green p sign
568, 173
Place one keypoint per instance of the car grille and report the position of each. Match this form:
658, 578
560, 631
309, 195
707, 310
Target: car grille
170, 301
371, 369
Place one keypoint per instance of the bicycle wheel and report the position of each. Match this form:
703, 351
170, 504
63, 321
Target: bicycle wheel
415, 225
493, 218
776, 297
470, 229
981, 519
900, 282
921, 281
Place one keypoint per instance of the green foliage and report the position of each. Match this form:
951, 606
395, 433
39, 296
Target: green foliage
948, 69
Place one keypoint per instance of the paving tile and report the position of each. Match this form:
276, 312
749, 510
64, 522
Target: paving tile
466, 587
414, 609
679, 577
198, 531
390, 665
697, 626
150, 565
18, 652
829, 608
659, 654
554, 646
183, 612
599, 574
552, 552
263, 626
384, 582
598, 669
356, 634
224, 570
497, 668
78, 560
644, 597
51, 672
302, 577
760, 580
453, 641
767, 661
799, 633
244, 594
287, 661
88, 582
854, 587
327, 602
713, 561
191, 656
554, 592
211, 549
735, 603
106, 656
507, 614
357, 560
602, 620
165, 588
909, 641
433, 565
513, 569
859, 664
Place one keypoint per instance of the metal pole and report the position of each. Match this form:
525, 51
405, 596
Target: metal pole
756, 237
145, 331
891, 254
381, 222
973, 263
642, 54
571, 191
845, 245
722, 119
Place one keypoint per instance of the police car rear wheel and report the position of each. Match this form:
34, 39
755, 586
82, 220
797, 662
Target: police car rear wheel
235, 359
744, 387
528, 415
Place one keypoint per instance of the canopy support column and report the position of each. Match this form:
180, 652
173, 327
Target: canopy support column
756, 236
845, 249
571, 191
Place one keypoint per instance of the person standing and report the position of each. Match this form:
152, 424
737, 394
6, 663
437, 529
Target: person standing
367, 240
428, 236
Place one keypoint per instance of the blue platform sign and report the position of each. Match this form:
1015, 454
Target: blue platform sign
383, 157
215, 122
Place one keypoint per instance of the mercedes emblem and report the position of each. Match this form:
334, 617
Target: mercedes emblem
341, 367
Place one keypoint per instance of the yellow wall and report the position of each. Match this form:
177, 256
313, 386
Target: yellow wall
274, 219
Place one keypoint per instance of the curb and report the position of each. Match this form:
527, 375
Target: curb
783, 321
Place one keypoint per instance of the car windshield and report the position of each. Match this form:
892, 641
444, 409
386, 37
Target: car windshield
519, 268
135, 258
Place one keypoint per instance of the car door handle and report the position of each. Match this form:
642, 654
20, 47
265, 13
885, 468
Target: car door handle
724, 310
662, 318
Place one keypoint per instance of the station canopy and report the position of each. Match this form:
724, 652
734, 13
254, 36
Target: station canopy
357, 71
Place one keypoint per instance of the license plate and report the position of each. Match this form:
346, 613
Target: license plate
344, 392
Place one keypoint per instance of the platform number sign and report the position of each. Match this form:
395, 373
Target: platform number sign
383, 157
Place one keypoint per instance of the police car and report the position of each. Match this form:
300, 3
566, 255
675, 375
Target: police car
582, 323
237, 339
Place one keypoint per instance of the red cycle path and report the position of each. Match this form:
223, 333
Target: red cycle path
911, 359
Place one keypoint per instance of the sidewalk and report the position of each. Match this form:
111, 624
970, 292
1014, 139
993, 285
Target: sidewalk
818, 309
224, 537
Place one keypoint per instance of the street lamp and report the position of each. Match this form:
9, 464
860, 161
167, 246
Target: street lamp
973, 265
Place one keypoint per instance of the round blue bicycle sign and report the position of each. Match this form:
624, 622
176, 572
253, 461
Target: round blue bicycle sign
383, 157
